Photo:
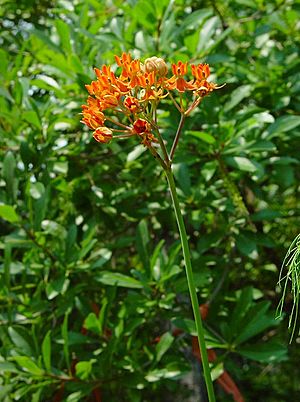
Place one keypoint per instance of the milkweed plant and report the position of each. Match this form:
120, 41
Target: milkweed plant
125, 105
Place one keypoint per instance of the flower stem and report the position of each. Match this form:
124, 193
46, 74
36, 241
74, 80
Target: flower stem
177, 135
191, 285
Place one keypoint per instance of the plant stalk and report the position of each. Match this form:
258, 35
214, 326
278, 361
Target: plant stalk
191, 285
177, 136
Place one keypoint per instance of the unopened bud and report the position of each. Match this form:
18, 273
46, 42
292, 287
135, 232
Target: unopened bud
155, 64
141, 126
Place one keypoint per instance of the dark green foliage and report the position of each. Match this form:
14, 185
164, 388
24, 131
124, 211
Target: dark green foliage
92, 283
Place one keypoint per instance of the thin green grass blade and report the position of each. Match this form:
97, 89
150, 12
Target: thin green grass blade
289, 282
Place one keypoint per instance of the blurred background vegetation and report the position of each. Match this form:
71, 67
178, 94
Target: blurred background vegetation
77, 216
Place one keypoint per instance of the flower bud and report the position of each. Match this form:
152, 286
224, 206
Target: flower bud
155, 64
103, 134
141, 126
132, 104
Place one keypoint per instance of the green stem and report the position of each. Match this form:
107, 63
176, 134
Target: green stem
191, 285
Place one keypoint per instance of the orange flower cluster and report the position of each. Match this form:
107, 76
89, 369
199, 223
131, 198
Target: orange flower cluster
131, 98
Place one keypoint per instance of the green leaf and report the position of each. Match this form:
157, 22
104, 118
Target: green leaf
247, 246
168, 28
54, 229
255, 322
160, 5
103, 313
56, 287
217, 371
261, 146
7, 263
8, 213
142, 240
105, 256
76, 338
265, 214
155, 260
265, 352
283, 160
282, 125
237, 96
137, 151
27, 154
201, 135
242, 163
144, 12
32, 117
75, 396
29, 365
249, 3
21, 339
163, 345
86, 247
242, 306
195, 19
91, 323
46, 40
63, 30
6, 390
61, 167
36, 190
9, 166
7, 367
186, 325
4, 60
40, 208
4, 92
119, 329
171, 370
36, 396
206, 33
64, 333
209, 169
118, 279
84, 369
46, 351
182, 175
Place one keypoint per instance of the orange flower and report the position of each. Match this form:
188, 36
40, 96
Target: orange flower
179, 69
130, 69
106, 83
103, 134
92, 116
109, 101
124, 59
177, 81
143, 129
201, 71
205, 88
132, 104
146, 80
141, 126
108, 77
133, 91
201, 86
